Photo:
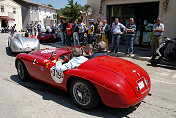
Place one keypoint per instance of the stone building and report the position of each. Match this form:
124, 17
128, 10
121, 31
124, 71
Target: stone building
10, 14
37, 13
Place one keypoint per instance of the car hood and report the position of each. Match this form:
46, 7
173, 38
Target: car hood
131, 72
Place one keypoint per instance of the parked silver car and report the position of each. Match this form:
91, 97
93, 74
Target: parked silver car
19, 43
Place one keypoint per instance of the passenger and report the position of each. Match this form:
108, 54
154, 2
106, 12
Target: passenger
77, 60
101, 50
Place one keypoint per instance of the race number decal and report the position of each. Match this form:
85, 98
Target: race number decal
58, 77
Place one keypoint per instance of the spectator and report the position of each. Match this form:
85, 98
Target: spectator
98, 27
35, 29
77, 60
61, 32
130, 36
48, 29
69, 33
28, 28
13, 30
39, 28
101, 50
75, 33
90, 34
116, 34
64, 30
81, 30
106, 32
158, 29
31, 30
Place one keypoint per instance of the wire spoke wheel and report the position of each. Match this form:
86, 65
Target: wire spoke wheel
81, 94
84, 94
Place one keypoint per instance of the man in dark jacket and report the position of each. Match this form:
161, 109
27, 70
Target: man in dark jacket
106, 33
101, 50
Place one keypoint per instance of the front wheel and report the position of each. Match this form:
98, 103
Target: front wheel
84, 94
22, 71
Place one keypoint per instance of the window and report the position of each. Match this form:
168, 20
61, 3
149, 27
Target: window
39, 10
2, 8
14, 10
45, 10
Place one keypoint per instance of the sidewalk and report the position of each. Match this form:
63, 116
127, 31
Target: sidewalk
143, 54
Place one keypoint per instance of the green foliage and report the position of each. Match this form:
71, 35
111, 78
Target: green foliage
50, 5
72, 10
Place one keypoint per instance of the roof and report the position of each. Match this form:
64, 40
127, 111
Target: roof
27, 1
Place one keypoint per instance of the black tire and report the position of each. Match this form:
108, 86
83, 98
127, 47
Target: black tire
87, 100
22, 71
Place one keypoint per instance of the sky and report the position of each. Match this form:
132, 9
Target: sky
58, 3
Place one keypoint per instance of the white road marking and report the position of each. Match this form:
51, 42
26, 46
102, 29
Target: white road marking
163, 82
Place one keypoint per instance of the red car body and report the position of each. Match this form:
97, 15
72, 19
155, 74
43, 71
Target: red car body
120, 83
47, 37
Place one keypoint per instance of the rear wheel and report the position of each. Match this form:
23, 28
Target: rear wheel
22, 71
84, 94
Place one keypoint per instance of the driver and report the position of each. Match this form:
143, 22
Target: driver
77, 60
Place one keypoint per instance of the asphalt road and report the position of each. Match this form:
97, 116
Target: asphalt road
37, 100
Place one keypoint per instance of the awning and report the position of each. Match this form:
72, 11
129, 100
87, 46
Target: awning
7, 18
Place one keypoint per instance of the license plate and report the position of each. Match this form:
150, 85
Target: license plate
141, 85
42, 36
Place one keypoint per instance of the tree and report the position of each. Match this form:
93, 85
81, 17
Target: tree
71, 11
50, 5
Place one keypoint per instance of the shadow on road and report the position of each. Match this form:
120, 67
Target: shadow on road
165, 66
62, 98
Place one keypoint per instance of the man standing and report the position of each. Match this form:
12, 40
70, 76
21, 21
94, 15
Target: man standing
13, 30
90, 34
106, 32
75, 33
81, 30
65, 24
116, 32
35, 29
61, 33
158, 30
98, 27
28, 28
130, 36
39, 28
69, 33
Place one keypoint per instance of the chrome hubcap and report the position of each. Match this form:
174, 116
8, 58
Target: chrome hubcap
81, 94
20, 70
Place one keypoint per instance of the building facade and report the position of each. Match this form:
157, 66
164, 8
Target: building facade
10, 14
145, 13
37, 13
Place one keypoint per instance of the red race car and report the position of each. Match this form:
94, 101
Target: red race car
48, 37
116, 82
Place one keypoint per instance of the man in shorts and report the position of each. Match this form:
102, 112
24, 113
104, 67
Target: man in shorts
90, 29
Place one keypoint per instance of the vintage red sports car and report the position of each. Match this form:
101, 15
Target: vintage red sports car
118, 83
48, 37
